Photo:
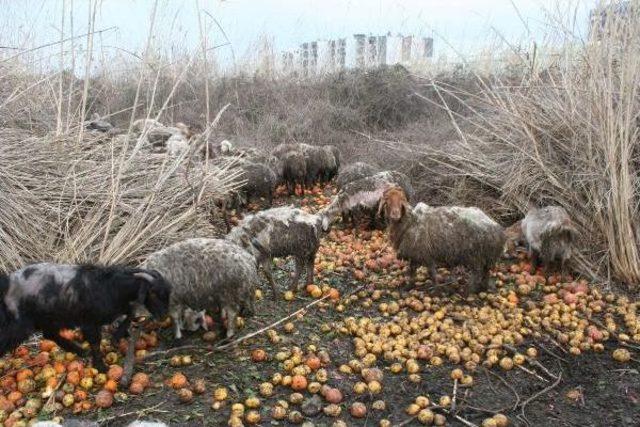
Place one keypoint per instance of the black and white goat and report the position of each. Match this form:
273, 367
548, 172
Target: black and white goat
50, 297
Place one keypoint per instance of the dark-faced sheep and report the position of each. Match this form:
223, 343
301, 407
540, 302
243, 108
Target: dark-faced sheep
208, 274
355, 171
362, 197
50, 297
449, 236
281, 232
550, 235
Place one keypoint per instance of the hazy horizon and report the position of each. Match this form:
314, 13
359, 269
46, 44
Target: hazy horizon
456, 25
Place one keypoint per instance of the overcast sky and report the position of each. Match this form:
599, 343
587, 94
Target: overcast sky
464, 24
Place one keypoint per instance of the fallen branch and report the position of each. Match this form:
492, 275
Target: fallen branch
522, 415
455, 395
509, 386
533, 362
532, 373
138, 413
129, 360
273, 325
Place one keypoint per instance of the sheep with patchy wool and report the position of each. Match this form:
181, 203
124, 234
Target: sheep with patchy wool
355, 171
281, 232
550, 236
50, 297
447, 236
362, 196
215, 275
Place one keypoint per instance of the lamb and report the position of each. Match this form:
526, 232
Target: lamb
50, 297
294, 170
281, 232
363, 196
448, 235
354, 172
550, 234
215, 275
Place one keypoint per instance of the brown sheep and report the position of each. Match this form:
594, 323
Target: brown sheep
550, 235
449, 236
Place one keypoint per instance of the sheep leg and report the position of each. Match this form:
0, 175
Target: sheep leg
296, 274
231, 315
309, 266
535, 260
270, 197
266, 267
434, 274
411, 274
176, 318
122, 331
92, 335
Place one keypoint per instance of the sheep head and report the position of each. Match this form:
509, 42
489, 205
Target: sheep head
394, 204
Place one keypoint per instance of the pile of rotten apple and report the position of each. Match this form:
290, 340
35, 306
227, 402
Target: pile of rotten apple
393, 332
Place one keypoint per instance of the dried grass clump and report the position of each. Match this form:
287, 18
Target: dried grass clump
566, 133
100, 200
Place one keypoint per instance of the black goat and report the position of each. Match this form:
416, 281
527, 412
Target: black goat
50, 297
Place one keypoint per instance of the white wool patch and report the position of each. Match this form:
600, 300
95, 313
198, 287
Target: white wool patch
422, 209
288, 214
369, 199
473, 215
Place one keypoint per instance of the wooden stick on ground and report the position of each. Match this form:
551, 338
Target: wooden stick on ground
522, 416
284, 319
274, 324
134, 334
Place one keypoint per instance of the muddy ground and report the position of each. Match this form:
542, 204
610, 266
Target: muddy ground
587, 390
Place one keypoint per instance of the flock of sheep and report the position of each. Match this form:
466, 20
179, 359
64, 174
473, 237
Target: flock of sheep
219, 276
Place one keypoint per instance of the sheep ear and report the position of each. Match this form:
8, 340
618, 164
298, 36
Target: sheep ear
381, 206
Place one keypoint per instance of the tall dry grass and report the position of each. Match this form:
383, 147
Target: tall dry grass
71, 196
561, 132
